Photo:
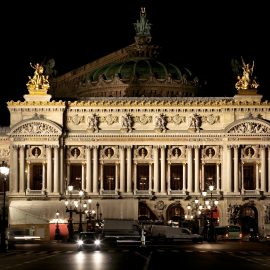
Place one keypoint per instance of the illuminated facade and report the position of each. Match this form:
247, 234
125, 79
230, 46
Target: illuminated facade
144, 147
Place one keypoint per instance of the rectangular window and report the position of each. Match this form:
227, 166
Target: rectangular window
109, 177
36, 176
249, 177
143, 177
176, 177
76, 176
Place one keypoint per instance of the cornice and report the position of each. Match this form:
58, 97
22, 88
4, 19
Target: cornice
35, 103
196, 101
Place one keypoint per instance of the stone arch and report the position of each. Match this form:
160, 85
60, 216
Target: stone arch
175, 213
36, 126
249, 125
248, 218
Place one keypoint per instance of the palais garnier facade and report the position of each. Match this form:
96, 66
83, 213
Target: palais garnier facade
132, 133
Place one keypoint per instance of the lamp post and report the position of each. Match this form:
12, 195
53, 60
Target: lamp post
194, 212
80, 209
57, 229
211, 205
75, 205
4, 170
70, 210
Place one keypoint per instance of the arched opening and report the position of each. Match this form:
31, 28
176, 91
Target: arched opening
175, 215
249, 220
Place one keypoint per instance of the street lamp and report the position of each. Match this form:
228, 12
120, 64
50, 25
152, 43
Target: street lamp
90, 216
193, 214
57, 229
4, 170
80, 209
70, 210
211, 205
75, 205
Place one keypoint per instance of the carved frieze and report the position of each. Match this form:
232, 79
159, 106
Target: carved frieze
36, 128
250, 127
109, 119
4, 152
143, 119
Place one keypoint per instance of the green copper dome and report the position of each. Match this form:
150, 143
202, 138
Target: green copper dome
143, 68
137, 71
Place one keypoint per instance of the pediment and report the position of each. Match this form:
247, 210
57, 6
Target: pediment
36, 127
249, 126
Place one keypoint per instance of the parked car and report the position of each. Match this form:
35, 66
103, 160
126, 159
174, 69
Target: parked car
89, 240
167, 233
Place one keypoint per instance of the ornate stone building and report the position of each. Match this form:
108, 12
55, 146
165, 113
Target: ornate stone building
131, 133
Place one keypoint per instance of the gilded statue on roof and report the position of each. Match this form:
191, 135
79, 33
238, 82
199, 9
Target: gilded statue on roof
246, 81
39, 83
142, 27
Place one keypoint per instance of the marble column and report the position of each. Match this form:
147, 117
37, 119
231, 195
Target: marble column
56, 170
156, 169
190, 169
162, 170
129, 166
22, 169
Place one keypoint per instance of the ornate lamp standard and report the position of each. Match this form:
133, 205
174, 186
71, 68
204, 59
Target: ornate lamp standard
90, 216
194, 212
211, 205
57, 229
80, 207
70, 210
75, 205
4, 170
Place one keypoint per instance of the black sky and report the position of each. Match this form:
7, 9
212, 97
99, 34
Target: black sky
201, 35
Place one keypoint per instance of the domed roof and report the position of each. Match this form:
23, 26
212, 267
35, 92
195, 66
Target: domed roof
140, 68
139, 73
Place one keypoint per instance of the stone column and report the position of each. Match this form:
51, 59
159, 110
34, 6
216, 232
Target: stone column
197, 170
88, 169
14, 173
22, 170
263, 169
190, 169
43, 176
184, 176
203, 175
236, 177
129, 165
49, 169
135, 177
268, 169
68, 174
169, 178
150, 178
28, 176
83, 176
95, 169
122, 169
116, 177
218, 176
229, 167
56, 170
257, 187
162, 170
102, 178
242, 178
61, 170
156, 170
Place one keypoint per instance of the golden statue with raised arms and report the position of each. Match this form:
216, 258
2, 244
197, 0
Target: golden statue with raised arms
39, 83
246, 81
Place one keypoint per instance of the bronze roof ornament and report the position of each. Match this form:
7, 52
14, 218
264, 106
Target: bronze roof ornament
38, 84
246, 81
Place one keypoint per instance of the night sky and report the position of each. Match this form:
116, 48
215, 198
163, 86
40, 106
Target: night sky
203, 36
